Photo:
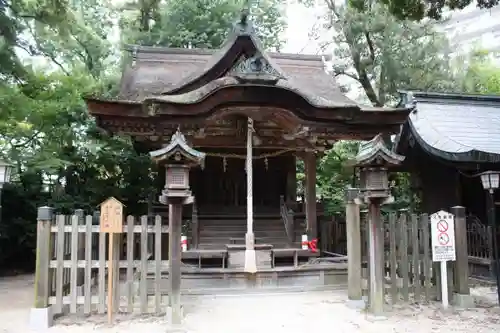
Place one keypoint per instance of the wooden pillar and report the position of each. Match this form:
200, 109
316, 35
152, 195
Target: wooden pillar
353, 229
174, 312
310, 189
43, 253
194, 227
462, 297
376, 259
291, 181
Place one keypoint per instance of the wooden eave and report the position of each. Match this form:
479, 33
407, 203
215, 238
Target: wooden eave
213, 92
245, 95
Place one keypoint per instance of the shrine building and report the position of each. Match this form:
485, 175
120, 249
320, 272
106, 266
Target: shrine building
241, 104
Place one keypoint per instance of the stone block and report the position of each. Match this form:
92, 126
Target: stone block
463, 301
41, 319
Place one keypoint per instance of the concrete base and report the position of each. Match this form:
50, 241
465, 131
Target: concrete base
357, 304
41, 319
250, 261
463, 301
175, 329
373, 318
170, 319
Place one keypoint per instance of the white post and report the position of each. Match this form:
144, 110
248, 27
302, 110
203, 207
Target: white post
305, 242
184, 243
250, 260
444, 284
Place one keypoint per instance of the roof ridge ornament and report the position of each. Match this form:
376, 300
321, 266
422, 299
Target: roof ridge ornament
244, 26
255, 69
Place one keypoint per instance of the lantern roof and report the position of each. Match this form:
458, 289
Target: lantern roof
376, 153
178, 144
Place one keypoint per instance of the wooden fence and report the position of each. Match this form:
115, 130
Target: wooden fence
77, 267
408, 265
478, 246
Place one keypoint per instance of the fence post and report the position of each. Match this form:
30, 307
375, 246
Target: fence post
81, 250
41, 314
353, 230
462, 297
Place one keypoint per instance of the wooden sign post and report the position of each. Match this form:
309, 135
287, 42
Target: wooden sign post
111, 222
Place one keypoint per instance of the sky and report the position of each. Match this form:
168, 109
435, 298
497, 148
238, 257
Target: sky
301, 20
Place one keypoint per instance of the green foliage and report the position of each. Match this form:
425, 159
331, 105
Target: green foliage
54, 52
415, 10
197, 23
333, 177
418, 9
383, 54
479, 73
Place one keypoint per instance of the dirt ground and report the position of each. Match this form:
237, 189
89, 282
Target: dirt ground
294, 312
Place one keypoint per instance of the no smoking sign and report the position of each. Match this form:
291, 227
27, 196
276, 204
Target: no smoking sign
443, 236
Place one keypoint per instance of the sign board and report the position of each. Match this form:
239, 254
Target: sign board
443, 236
111, 216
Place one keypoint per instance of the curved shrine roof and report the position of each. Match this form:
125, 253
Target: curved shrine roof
459, 128
164, 71
181, 81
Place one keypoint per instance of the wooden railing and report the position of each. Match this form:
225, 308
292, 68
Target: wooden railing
287, 218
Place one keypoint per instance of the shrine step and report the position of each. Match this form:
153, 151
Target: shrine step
205, 246
233, 233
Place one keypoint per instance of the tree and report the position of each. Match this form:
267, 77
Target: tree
51, 54
197, 23
418, 9
478, 73
380, 55
383, 55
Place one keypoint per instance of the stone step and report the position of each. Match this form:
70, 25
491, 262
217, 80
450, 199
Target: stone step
226, 240
223, 231
241, 228
242, 221
227, 233
281, 245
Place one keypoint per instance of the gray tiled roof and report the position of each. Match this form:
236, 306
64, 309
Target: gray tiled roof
456, 127
158, 70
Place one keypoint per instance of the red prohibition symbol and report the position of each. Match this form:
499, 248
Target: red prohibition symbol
443, 238
442, 226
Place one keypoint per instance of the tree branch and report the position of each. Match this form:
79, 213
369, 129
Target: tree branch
352, 76
370, 46
87, 59
26, 142
42, 52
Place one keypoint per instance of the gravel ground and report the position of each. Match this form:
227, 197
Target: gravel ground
297, 312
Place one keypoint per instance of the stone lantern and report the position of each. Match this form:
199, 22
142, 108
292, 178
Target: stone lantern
373, 160
177, 157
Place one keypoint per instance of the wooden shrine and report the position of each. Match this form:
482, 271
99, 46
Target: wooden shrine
296, 108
